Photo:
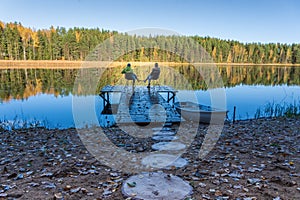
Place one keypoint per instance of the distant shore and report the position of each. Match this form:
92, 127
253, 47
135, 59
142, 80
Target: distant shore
61, 64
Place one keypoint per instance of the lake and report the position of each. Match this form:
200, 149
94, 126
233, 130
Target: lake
45, 96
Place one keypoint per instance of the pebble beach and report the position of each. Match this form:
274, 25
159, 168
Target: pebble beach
252, 159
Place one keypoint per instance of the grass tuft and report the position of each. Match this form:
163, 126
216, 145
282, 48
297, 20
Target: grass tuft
278, 110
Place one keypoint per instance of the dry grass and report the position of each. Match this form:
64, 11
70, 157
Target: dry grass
63, 64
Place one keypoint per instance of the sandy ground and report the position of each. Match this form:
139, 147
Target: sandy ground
255, 159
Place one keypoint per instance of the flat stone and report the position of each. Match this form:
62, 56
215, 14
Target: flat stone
157, 185
253, 180
164, 138
164, 161
168, 124
161, 129
164, 133
168, 146
58, 196
3, 195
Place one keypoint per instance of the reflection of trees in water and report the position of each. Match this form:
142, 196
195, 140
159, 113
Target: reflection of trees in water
23, 83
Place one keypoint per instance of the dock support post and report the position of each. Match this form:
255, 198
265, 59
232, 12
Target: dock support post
234, 110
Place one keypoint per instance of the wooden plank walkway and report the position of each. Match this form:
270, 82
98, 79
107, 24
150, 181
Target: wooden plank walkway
143, 106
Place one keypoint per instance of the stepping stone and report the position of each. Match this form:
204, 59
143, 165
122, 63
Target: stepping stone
164, 161
161, 129
156, 185
168, 146
164, 133
168, 124
164, 138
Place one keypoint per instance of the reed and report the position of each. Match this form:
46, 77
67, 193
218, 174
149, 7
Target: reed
278, 110
17, 123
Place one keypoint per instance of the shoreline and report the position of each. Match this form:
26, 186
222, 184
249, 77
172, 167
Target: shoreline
226, 122
62, 64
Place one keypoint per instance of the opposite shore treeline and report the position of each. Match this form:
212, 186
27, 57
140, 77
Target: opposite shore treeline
21, 43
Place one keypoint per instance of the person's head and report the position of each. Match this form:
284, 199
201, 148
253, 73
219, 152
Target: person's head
156, 64
128, 65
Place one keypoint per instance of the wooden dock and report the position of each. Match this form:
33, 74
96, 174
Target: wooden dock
141, 105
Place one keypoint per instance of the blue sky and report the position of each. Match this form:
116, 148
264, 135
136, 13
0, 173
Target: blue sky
243, 20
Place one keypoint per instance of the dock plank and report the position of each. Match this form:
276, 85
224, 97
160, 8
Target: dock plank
144, 106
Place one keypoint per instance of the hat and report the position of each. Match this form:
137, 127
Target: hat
128, 65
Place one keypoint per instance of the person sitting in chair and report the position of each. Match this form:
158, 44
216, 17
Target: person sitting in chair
129, 75
154, 75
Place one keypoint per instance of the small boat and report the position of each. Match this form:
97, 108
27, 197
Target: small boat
191, 111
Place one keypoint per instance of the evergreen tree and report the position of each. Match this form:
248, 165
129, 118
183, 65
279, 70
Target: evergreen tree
21, 43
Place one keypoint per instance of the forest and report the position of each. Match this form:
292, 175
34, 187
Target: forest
23, 43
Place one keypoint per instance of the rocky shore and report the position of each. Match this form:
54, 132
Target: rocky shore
253, 159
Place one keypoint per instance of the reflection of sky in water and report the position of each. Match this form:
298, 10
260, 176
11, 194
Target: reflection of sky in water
56, 112
49, 110
248, 99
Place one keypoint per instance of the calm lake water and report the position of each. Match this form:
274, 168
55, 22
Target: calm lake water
46, 95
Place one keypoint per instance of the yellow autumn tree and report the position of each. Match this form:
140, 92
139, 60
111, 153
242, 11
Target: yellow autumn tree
229, 58
2, 25
288, 55
35, 39
77, 36
214, 54
25, 34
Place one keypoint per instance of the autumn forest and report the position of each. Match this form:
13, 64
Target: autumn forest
22, 43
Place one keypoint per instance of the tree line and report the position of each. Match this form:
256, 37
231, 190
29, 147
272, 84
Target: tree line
22, 43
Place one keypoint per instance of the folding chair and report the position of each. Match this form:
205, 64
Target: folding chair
130, 77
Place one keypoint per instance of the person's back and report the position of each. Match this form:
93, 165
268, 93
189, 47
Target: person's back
154, 75
129, 75
127, 69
